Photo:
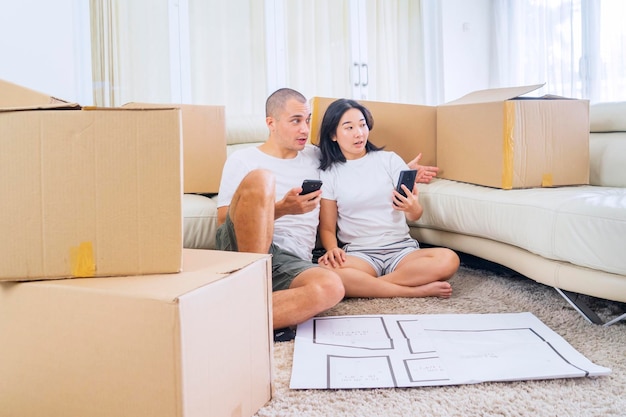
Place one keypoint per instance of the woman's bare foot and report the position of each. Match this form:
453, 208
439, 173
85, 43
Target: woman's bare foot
441, 289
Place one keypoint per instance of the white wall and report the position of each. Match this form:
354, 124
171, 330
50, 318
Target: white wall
465, 39
44, 45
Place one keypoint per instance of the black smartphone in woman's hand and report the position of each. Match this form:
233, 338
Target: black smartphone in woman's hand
407, 178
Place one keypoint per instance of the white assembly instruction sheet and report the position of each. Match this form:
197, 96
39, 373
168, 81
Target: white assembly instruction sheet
380, 351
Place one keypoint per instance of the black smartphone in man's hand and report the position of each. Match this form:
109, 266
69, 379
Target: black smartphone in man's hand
407, 178
309, 186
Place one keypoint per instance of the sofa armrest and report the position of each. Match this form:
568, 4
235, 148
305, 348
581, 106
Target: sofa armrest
607, 144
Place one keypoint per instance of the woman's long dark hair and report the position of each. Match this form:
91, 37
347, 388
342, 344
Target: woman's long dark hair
330, 151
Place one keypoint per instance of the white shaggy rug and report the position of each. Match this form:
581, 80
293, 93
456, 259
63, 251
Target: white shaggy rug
477, 290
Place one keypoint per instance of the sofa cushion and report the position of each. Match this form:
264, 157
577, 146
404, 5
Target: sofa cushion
607, 159
245, 129
608, 117
199, 221
583, 225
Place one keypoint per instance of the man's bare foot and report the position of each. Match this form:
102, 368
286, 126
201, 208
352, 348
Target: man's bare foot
441, 289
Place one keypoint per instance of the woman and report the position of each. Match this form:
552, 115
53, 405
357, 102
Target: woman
361, 208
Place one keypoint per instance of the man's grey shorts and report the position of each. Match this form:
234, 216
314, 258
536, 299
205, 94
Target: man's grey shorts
285, 265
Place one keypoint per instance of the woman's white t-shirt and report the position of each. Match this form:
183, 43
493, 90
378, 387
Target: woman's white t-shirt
295, 233
363, 190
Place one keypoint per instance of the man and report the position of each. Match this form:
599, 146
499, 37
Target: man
260, 210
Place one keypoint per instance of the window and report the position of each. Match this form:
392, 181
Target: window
363, 49
574, 46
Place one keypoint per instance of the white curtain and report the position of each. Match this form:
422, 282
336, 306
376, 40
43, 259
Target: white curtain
216, 52
606, 70
104, 51
396, 51
192, 51
227, 54
316, 47
130, 51
576, 47
320, 48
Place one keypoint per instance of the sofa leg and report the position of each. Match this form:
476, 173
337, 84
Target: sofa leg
580, 306
616, 319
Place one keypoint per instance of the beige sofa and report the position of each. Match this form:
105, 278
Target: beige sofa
571, 238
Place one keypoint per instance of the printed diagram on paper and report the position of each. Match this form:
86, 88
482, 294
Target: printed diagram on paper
381, 351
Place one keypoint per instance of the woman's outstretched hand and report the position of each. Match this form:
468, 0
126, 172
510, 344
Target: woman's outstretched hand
425, 173
334, 258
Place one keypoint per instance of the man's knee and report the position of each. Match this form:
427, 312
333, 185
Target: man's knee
335, 288
326, 287
258, 184
255, 195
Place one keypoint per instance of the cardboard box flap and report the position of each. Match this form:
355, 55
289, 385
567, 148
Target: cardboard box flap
166, 287
146, 106
494, 95
124, 108
554, 97
13, 95
53, 106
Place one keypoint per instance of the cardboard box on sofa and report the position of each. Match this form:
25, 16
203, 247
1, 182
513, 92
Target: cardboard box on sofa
87, 193
498, 139
204, 145
197, 343
406, 129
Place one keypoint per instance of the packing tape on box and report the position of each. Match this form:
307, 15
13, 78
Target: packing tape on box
509, 145
546, 180
316, 122
83, 264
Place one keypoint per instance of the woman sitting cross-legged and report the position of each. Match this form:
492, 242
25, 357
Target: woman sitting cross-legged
361, 208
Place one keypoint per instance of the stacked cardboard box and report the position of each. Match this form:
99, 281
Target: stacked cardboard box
175, 345
94, 194
88, 192
204, 145
491, 137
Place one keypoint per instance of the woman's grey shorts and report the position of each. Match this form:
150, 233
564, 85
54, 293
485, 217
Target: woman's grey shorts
285, 265
383, 259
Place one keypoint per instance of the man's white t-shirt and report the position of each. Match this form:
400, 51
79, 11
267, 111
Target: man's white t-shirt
363, 190
295, 233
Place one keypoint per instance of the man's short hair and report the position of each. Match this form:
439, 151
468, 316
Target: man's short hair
278, 99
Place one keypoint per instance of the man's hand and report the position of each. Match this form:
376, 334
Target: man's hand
294, 203
424, 173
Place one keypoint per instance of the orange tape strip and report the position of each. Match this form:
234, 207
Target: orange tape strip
509, 145
82, 259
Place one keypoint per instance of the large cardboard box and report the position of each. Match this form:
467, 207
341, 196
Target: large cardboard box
91, 192
204, 145
498, 139
192, 344
406, 129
